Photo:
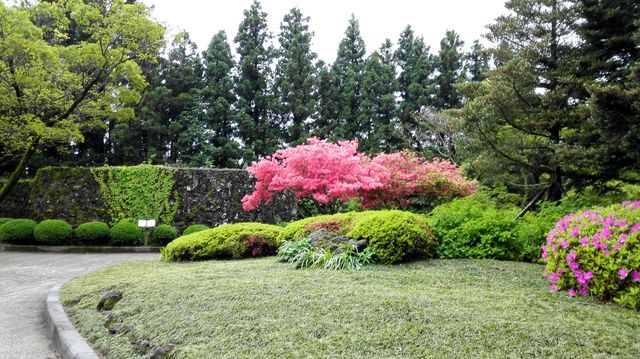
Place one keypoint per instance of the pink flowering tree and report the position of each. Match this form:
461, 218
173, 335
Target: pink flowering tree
332, 174
328, 173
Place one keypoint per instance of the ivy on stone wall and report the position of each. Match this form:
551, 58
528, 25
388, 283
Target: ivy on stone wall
138, 192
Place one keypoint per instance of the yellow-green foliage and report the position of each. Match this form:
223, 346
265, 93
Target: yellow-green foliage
396, 236
137, 192
229, 241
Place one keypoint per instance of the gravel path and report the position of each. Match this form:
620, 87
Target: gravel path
25, 279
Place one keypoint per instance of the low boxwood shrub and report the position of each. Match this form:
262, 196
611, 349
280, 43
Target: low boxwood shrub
163, 234
126, 234
395, 236
92, 233
597, 252
53, 232
229, 241
194, 228
4, 220
18, 231
473, 227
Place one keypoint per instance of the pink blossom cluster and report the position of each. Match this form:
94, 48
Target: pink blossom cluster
583, 248
326, 171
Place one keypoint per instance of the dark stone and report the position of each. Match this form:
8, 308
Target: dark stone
117, 328
142, 347
160, 352
327, 239
109, 319
108, 300
360, 245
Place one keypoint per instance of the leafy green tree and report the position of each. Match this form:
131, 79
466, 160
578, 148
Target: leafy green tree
416, 85
258, 128
347, 73
327, 105
50, 91
378, 106
296, 78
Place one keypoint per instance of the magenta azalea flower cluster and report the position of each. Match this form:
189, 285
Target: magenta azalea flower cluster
596, 252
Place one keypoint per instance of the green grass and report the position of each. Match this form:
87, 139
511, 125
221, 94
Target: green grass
264, 309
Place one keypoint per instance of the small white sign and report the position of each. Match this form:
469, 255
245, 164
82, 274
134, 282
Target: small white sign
146, 223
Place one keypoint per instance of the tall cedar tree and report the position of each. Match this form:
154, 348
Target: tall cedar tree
378, 106
609, 82
347, 73
209, 136
415, 81
327, 106
258, 127
477, 62
296, 78
450, 72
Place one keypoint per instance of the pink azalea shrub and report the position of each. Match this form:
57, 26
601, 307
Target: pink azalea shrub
597, 252
330, 172
412, 178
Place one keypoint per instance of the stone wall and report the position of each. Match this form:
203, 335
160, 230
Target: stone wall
206, 196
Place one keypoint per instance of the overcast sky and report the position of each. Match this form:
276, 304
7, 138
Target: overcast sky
378, 19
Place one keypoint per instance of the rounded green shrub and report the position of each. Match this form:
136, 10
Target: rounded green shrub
126, 234
597, 252
53, 232
396, 236
5, 220
18, 231
229, 241
163, 234
194, 228
95, 233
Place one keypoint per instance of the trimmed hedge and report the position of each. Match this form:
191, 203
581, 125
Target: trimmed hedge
194, 228
5, 220
53, 232
163, 234
126, 234
95, 233
18, 231
229, 241
396, 236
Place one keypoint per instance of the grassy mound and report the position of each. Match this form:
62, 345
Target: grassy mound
396, 236
428, 309
229, 241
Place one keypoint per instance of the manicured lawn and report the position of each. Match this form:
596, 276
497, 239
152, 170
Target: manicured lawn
264, 309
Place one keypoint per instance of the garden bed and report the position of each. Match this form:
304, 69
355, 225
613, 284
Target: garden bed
263, 309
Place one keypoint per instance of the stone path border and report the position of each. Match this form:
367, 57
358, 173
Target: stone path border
70, 344
77, 249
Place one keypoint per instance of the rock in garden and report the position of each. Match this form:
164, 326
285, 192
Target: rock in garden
109, 299
360, 245
117, 328
326, 239
160, 352
109, 319
142, 347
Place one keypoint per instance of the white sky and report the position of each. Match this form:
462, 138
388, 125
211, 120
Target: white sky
378, 19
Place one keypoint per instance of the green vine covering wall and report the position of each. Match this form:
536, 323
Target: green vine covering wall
138, 192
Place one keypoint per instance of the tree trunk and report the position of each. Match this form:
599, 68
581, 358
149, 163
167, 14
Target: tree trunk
17, 173
554, 193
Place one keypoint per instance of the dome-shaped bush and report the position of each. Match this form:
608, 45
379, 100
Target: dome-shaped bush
92, 233
229, 241
18, 231
126, 234
194, 228
4, 220
396, 236
597, 252
163, 234
53, 232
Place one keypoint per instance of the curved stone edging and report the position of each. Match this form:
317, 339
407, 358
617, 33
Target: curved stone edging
78, 249
70, 344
